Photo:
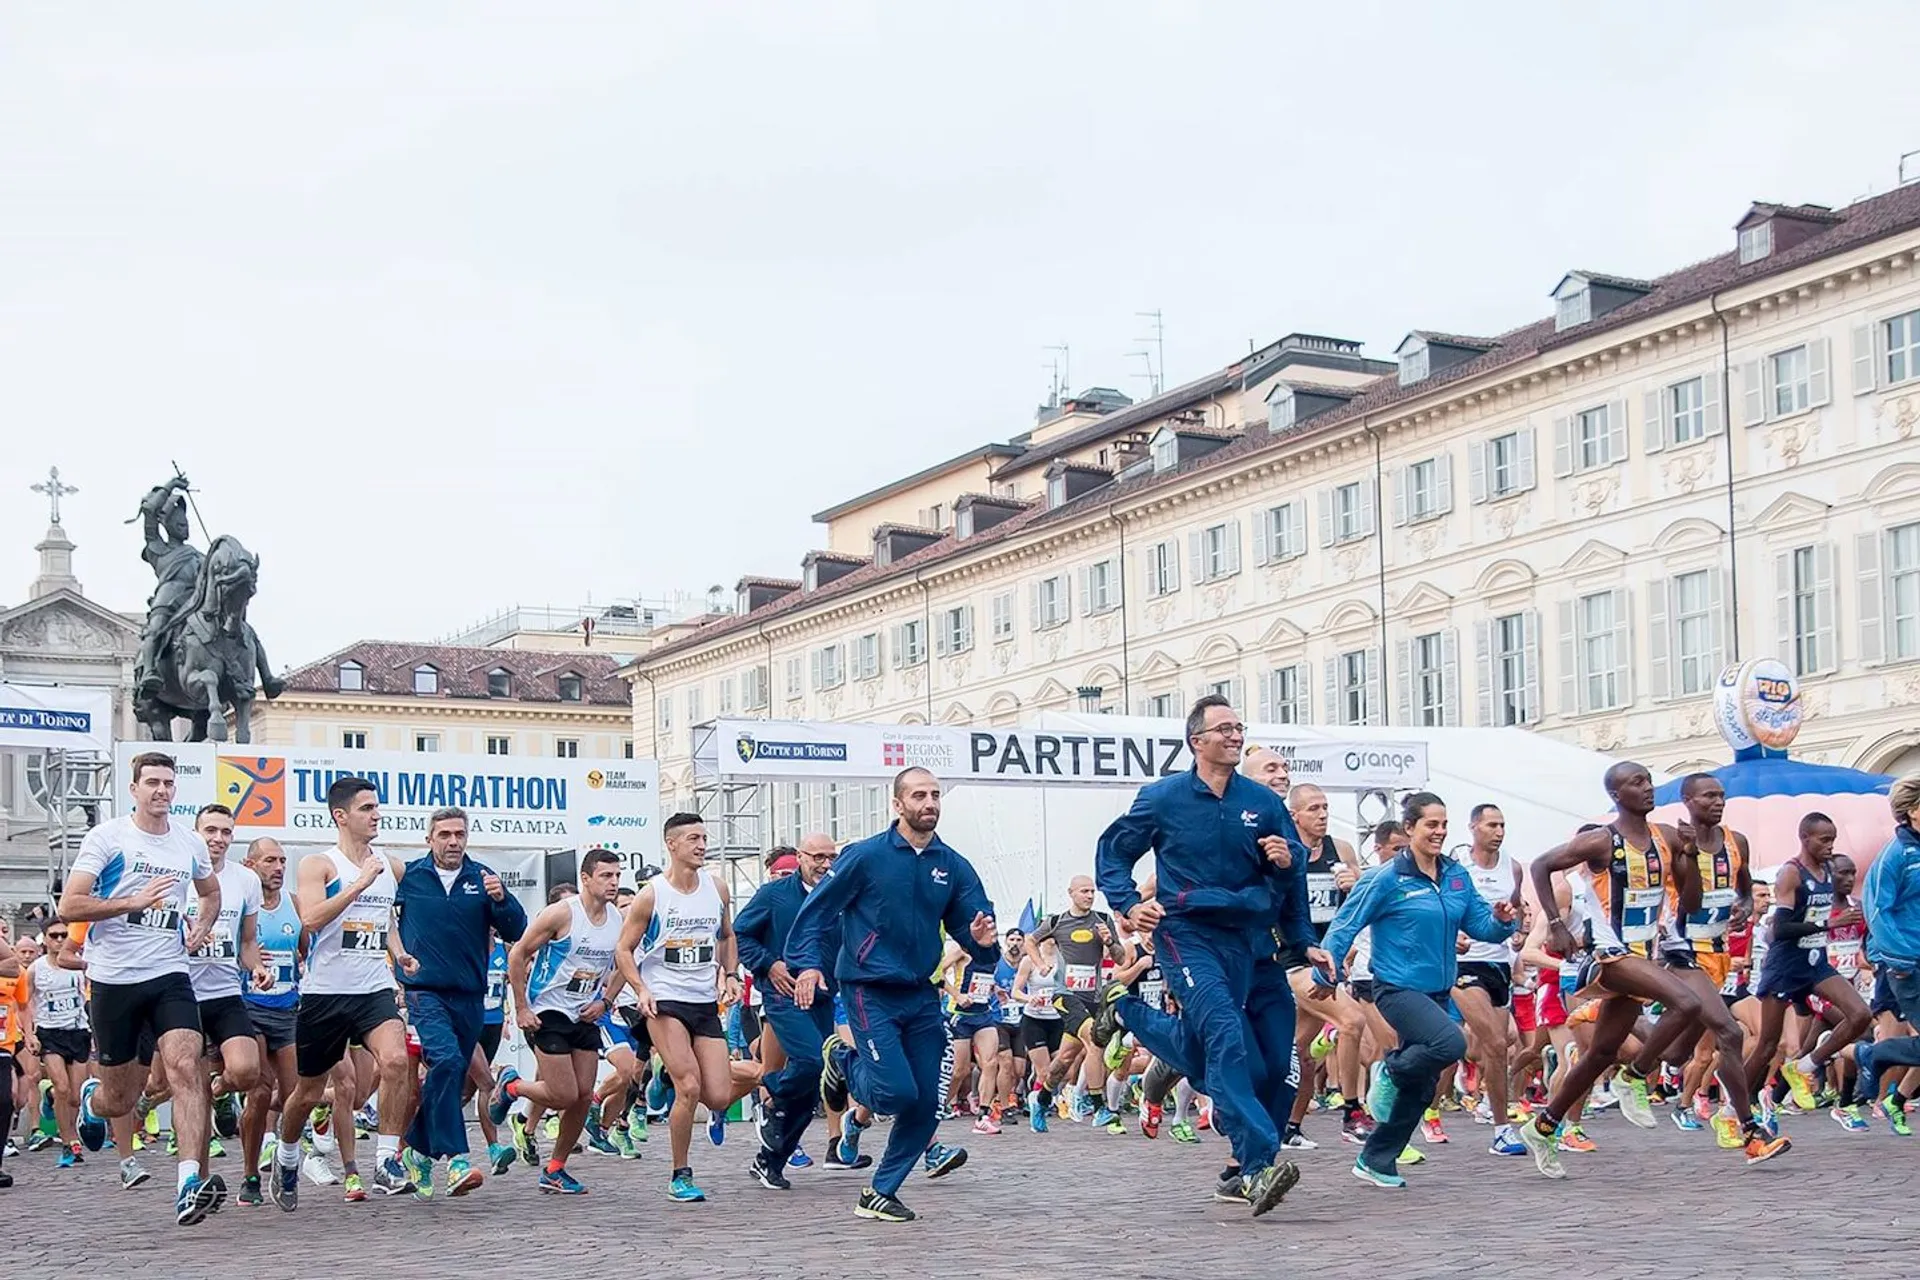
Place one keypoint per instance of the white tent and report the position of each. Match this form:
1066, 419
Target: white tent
1029, 841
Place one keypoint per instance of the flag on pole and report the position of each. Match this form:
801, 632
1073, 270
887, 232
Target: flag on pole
1027, 919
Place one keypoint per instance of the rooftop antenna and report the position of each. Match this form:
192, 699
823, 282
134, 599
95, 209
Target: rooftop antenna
1053, 382
1156, 368
1153, 379
1066, 370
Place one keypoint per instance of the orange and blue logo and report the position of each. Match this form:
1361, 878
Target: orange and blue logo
255, 788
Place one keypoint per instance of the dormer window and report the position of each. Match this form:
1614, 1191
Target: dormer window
1756, 242
1056, 492
1413, 363
352, 677
426, 680
1280, 409
572, 688
1574, 307
1166, 450
499, 683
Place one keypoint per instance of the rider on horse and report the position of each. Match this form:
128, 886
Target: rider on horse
176, 563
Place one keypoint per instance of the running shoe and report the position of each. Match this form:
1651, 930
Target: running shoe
1483, 1112
1506, 1142
1703, 1106
318, 1171
70, 1157
1356, 1128
501, 1102
622, 1143
41, 1141
1635, 1106
1573, 1138
190, 1206
523, 1142
419, 1172
1897, 1118
985, 1125
850, 1135
835, 1055
1298, 1141
716, 1127
551, 1128
390, 1178
801, 1160
1387, 1181
1102, 1117
1182, 1131
1116, 1055
213, 1193
637, 1122
1542, 1144
602, 1145
1430, 1127
250, 1192
1412, 1155
1231, 1189
1726, 1131
1323, 1042
834, 1162
1106, 1015
881, 1208
226, 1116
1850, 1119
594, 1129
1151, 1117
354, 1191
1602, 1098
558, 1182
1203, 1119
684, 1189
1383, 1093
131, 1174
1267, 1188
93, 1130
499, 1157
462, 1177
1685, 1121
1801, 1083
1037, 1118
1116, 1127
942, 1160
1762, 1147
761, 1170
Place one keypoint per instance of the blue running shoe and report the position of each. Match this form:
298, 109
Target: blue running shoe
684, 1189
1383, 1094
190, 1206
1389, 1181
559, 1182
942, 1160
717, 1127
1685, 1121
93, 1130
799, 1160
849, 1152
501, 1103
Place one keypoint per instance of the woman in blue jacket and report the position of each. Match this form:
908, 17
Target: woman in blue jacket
1417, 905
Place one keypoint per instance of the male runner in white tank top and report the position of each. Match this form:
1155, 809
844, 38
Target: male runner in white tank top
1483, 986
345, 895
558, 972
679, 955
225, 965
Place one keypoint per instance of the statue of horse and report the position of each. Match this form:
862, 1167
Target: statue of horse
209, 654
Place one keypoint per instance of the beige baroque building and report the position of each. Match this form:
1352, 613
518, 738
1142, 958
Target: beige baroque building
523, 686
1569, 527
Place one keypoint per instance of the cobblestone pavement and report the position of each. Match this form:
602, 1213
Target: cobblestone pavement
1070, 1204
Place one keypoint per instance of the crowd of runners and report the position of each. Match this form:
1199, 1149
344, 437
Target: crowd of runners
1267, 981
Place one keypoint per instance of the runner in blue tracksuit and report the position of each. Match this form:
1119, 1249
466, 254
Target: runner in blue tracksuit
891, 894
763, 927
1891, 901
1215, 835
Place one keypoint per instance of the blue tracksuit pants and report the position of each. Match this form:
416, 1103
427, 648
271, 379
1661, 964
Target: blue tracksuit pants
899, 1037
449, 1026
793, 1090
1211, 974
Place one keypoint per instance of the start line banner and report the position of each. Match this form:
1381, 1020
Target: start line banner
797, 750
512, 802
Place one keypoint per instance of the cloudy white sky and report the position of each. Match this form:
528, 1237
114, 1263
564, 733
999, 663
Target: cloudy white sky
451, 306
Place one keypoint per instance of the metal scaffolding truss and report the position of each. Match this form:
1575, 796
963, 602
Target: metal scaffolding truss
75, 789
735, 813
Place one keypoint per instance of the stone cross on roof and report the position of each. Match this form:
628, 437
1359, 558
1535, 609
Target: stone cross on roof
54, 491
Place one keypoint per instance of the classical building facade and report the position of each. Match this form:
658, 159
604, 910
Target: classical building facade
469, 699
1569, 527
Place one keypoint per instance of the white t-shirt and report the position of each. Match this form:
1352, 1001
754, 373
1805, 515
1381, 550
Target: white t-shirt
123, 859
215, 967
58, 1001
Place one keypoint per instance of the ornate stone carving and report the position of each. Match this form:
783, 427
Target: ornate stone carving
1685, 471
1906, 416
1003, 656
1158, 612
1596, 492
870, 692
59, 631
1428, 536
1283, 573
1506, 517
957, 668
1103, 628
1789, 440
1053, 642
1347, 560
830, 703
1603, 735
913, 677
1216, 596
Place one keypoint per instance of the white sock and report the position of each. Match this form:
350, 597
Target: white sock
1116, 1092
387, 1144
287, 1155
188, 1169
1804, 1065
1182, 1099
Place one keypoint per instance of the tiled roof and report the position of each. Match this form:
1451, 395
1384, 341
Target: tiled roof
1861, 223
1617, 282
387, 670
1112, 424
985, 451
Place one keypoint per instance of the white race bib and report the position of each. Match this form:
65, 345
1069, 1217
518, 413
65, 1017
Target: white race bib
1082, 977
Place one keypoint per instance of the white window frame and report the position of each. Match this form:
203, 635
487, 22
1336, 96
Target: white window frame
1052, 602
566, 748
1756, 242
1162, 568
829, 667
1355, 689
1166, 450
1689, 405
696, 706
663, 713
504, 743
1696, 663
1280, 533
1000, 612
1903, 592
1423, 490
953, 630
1281, 410
753, 689
1596, 652
353, 739
358, 683
796, 676
1501, 466
1100, 587
1346, 513
1057, 491
1215, 551
1899, 338
1508, 646
1430, 691
1572, 309
1415, 365
866, 656
426, 742
1591, 438
727, 687
1162, 706
1804, 590
909, 644
1286, 694
428, 675
1789, 382
1765, 398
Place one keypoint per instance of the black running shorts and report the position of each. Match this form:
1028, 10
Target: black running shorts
130, 1017
326, 1023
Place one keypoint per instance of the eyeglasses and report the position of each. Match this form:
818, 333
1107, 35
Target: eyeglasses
1227, 730
57, 937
